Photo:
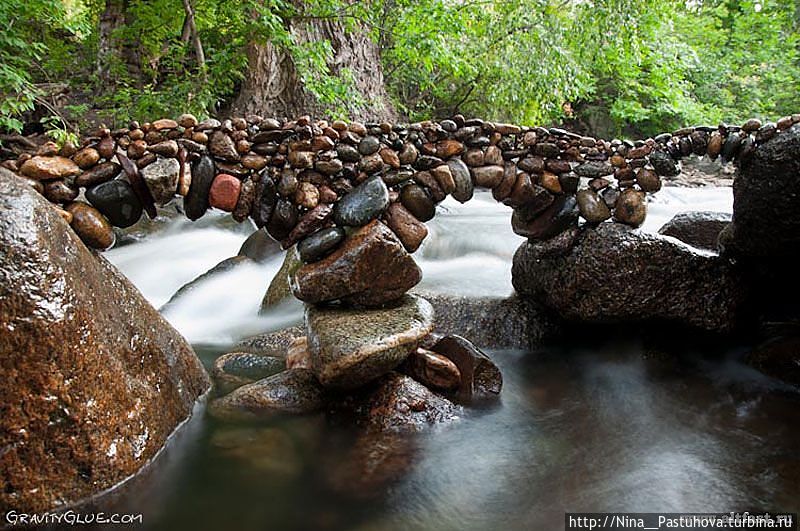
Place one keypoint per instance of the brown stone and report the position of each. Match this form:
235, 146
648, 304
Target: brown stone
298, 356
48, 168
309, 223
244, 205
593, 208
221, 146
631, 208
506, 185
164, 123
370, 268
107, 147
306, 195
449, 148
550, 182
487, 176
103, 378
409, 229
715, 143
167, 148
432, 369
224, 192
91, 226
86, 158
60, 192
389, 157
479, 377
493, 156
648, 180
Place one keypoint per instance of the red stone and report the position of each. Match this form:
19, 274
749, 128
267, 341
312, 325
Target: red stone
224, 192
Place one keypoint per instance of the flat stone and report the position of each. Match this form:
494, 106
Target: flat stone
698, 229
48, 168
369, 268
351, 347
594, 168
464, 188
105, 171
117, 201
91, 226
293, 392
320, 244
364, 203
161, 178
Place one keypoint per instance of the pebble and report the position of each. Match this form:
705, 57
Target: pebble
648, 180
309, 223
464, 187
320, 244
167, 148
161, 178
487, 176
283, 219
593, 208
560, 216
417, 202
306, 195
368, 145
195, 203
222, 146
433, 370
594, 168
663, 164
49, 168
60, 192
224, 192
364, 203
117, 201
91, 226
631, 208
408, 229
444, 178
247, 196
86, 158
105, 171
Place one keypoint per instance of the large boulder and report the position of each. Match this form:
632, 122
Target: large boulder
94, 379
370, 268
613, 273
350, 347
699, 229
766, 188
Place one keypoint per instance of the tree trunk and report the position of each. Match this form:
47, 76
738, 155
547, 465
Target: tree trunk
272, 85
111, 49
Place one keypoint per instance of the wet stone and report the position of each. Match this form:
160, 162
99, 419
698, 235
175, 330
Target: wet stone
105, 171
49, 168
464, 187
648, 180
283, 219
320, 244
363, 204
222, 146
369, 145
117, 201
224, 192
593, 208
409, 229
417, 202
631, 208
60, 192
594, 169
235, 369
487, 176
433, 370
560, 216
480, 377
161, 178
91, 226
664, 165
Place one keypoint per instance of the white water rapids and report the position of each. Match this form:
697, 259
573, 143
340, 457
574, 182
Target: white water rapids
468, 251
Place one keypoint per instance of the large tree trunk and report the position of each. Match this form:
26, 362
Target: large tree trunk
111, 49
272, 85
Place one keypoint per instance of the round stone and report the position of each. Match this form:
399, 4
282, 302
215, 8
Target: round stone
648, 180
60, 192
283, 220
90, 226
593, 208
224, 192
363, 204
631, 208
417, 201
369, 145
320, 244
86, 158
117, 201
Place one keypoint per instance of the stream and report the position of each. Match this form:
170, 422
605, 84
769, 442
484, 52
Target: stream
605, 420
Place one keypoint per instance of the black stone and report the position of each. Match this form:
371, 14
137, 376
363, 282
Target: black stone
663, 164
320, 244
418, 202
264, 204
368, 145
348, 153
364, 203
731, 147
560, 216
117, 201
283, 220
195, 203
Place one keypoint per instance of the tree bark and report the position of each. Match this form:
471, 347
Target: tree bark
111, 48
272, 85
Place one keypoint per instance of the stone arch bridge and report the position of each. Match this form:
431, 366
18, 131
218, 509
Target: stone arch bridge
360, 194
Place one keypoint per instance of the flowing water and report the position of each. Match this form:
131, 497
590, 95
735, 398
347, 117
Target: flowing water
604, 420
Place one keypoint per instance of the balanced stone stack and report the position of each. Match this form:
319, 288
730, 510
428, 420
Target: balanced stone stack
313, 183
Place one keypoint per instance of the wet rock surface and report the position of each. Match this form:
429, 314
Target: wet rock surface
103, 378
235, 369
351, 347
614, 274
698, 229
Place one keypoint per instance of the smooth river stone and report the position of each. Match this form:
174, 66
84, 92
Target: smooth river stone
161, 178
594, 169
49, 168
235, 369
363, 204
91, 226
224, 192
117, 201
320, 244
593, 208
309, 223
648, 180
631, 208
196, 202
283, 220
351, 347
222, 146
480, 378
409, 229
664, 165
60, 192
488, 176
264, 204
105, 171
417, 201
86, 158
369, 268
434, 370
464, 188
561, 215
294, 391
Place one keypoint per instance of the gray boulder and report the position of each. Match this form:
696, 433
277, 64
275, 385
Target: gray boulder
698, 229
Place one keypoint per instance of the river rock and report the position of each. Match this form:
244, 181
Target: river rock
103, 378
86, 158
48, 168
91, 226
560, 216
363, 204
698, 229
631, 208
417, 202
259, 247
224, 192
226, 265
487, 176
369, 268
117, 201
648, 180
265, 201
613, 273
279, 290
463, 181
433, 370
60, 192
479, 377
283, 220
167, 148
666, 166
161, 178
195, 203
592, 207
222, 146
105, 171
320, 244
312, 221
594, 169
236, 369
409, 229
294, 392
350, 347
